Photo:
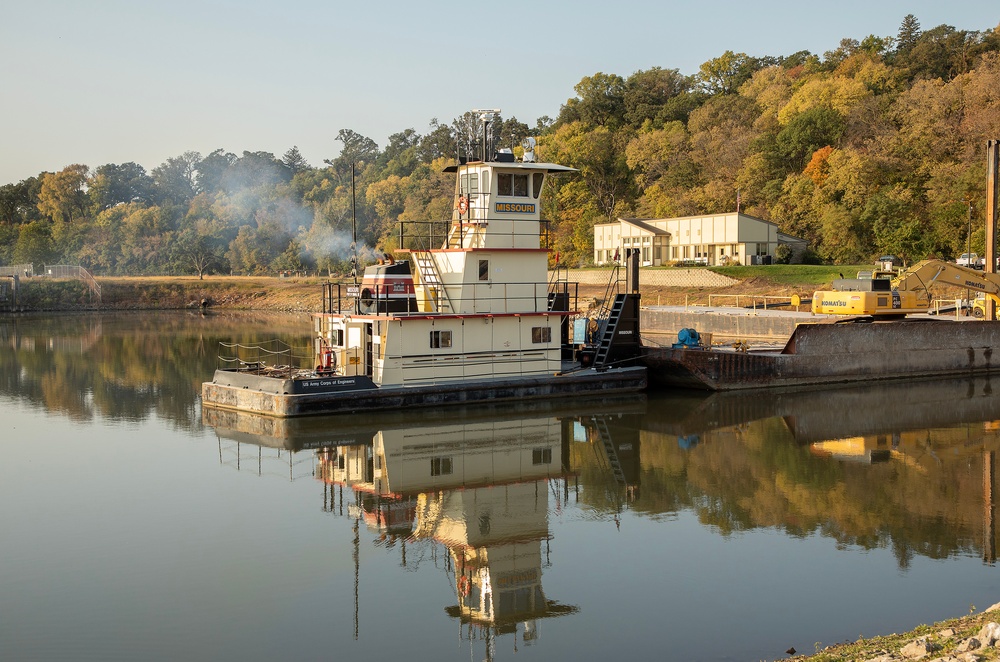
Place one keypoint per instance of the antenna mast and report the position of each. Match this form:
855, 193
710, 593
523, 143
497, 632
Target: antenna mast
486, 117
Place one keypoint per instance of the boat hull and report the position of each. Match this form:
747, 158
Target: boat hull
279, 397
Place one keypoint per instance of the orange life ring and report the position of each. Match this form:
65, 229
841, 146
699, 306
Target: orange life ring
463, 585
463, 204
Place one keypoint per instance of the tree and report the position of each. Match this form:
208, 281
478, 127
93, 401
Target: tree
294, 161
725, 74
19, 202
357, 149
34, 244
114, 184
646, 92
175, 181
439, 142
212, 170
600, 100
807, 132
61, 197
909, 33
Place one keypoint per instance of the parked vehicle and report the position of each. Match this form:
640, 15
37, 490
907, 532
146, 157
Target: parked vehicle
970, 260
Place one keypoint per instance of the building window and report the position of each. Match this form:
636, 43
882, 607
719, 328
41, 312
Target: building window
512, 185
441, 466
645, 254
484, 270
541, 456
440, 339
540, 334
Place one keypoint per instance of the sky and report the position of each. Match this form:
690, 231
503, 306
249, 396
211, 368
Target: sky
113, 81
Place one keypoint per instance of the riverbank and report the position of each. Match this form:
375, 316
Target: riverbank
304, 294
975, 637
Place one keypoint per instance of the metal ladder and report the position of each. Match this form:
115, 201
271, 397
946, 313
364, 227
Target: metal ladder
430, 278
610, 326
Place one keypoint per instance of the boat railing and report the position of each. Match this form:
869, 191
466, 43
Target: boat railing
495, 298
272, 358
432, 235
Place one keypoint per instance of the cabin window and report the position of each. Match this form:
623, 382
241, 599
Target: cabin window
541, 334
484, 270
470, 183
440, 466
536, 183
440, 339
541, 456
521, 186
337, 337
512, 185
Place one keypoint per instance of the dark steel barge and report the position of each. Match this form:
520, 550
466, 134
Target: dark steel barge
831, 353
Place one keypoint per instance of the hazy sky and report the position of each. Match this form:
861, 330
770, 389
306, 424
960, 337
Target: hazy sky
111, 81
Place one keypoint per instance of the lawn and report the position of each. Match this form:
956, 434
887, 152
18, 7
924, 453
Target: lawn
794, 274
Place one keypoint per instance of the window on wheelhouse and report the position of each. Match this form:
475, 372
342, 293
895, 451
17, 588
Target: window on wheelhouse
536, 183
511, 185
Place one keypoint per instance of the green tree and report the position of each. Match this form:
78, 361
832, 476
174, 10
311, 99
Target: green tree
34, 244
114, 184
809, 131
294, 161
175, 179
62, 197
726, 73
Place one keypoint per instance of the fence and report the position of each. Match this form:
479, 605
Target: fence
24, 270
72, 271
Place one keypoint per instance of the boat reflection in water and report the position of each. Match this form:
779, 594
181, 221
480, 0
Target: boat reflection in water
904, 470
482, 488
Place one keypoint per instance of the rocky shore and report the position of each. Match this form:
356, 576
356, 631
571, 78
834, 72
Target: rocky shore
971, 638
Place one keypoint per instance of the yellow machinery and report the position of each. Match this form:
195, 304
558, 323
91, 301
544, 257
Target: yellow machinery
886, 295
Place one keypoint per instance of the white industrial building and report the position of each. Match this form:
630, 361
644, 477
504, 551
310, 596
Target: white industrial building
714, 239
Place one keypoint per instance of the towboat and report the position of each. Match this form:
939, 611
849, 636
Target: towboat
467, 314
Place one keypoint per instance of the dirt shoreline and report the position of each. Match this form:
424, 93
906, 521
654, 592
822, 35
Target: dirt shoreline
974, 637
297, 294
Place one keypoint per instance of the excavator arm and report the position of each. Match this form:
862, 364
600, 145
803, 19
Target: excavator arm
928, 273
909, 292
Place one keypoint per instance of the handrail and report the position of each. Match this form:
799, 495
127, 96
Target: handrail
73, 271
437, 234
260, 360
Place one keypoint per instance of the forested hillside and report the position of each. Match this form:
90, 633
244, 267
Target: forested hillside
876, 146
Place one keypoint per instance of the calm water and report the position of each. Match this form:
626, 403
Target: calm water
133, 525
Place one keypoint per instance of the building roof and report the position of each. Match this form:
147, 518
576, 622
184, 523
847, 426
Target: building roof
643, 225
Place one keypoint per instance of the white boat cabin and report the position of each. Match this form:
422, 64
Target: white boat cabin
480, 305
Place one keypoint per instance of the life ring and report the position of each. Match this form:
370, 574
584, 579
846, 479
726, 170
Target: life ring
463, 585
463, 204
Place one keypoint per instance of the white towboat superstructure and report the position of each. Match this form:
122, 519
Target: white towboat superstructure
472, 319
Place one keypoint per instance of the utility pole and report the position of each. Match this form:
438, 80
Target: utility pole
992, 165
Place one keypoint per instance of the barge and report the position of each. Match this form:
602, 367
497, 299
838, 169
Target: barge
845, 351
474, 319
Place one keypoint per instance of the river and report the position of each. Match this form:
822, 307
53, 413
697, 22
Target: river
672, 525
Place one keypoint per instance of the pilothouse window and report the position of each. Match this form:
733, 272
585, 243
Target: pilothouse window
536, 183
512, 185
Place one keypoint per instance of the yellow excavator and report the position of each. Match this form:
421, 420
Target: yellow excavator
887, 295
